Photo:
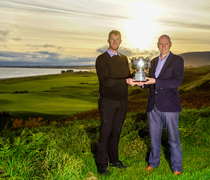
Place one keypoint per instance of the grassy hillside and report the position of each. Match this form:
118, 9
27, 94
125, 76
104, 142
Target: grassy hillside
196, 58
51, 97
69, 152
74, 95
66, 149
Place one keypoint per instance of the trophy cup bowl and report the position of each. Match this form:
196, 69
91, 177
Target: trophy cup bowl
139, 64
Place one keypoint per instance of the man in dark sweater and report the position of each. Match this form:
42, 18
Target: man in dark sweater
114, 76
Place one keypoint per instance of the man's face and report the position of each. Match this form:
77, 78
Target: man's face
114, 42
164, 45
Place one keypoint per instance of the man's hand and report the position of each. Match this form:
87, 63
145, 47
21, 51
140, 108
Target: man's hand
131, 81
150, 81
139, 83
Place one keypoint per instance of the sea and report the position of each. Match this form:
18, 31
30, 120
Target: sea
18, 72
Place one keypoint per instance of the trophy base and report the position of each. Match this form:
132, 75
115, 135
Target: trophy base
140, 76
139, 81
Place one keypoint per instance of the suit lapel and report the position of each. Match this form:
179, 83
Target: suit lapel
167, 63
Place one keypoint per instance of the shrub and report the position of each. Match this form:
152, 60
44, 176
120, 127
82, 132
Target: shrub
31, 122
21, 92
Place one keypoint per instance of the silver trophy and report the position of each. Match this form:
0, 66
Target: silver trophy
139, 64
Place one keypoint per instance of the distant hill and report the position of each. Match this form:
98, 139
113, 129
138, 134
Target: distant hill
196, 58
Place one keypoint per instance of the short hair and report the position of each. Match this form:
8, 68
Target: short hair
115, 32
164, 35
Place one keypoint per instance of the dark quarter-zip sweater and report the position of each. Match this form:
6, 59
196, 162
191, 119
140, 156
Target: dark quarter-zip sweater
112, 73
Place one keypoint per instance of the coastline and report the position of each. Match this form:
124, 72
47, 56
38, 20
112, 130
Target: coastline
35, 71
25, 77
52, 67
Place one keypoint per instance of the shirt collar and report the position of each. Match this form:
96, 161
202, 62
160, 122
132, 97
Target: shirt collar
164, 57
112, 53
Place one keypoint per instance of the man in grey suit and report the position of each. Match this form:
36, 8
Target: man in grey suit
163, 106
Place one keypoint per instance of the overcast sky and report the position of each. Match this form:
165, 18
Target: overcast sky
75, 32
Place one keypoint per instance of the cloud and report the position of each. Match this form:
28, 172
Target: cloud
45, 46
68, 8
131, 52
42, 58
4, 35
8, 54
47, 58
186, 25
48, 53
82, 60
17, 39
102, 49
51, 46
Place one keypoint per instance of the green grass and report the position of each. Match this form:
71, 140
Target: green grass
194, 77
69, 152
52, 96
